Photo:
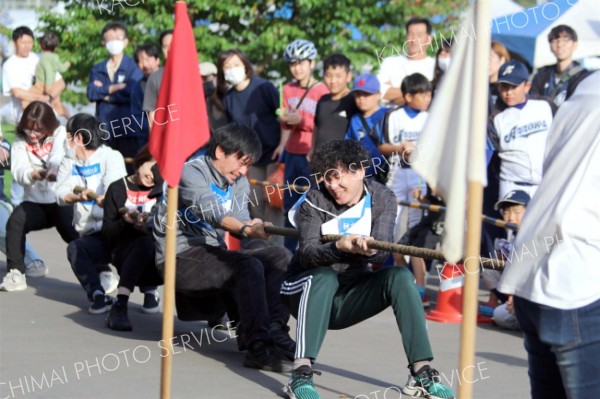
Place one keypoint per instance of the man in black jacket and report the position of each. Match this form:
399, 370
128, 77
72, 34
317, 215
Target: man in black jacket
558, 81
330, 284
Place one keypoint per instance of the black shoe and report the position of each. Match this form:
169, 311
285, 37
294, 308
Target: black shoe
263, 356
117, 319
282, 340
219, 323
101, 304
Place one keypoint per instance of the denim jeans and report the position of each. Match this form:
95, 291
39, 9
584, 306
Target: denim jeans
563, 348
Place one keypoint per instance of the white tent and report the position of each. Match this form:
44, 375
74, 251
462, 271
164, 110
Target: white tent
526, 32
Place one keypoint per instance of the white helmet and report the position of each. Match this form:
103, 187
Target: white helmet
299, 50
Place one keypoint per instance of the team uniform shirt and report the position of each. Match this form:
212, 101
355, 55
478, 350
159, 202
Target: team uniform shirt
520, 135
405, 125
205, 198
300, 139
394, 69
555, 256
123, 193
25, 158
333, 117
97, 172
18, 72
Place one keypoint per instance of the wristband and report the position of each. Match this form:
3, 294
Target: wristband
242, 233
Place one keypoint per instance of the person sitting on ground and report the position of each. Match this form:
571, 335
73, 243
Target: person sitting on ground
127, 203
92, 166
213, 199
329, 284
36, 154
48, 70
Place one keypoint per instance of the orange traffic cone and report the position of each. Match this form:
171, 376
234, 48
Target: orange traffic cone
233, 244
448, 308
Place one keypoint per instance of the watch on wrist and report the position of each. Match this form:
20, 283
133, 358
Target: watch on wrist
242, 233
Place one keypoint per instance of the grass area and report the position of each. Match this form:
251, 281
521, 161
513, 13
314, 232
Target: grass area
8, 132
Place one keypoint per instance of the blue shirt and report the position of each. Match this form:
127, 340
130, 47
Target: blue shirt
115, 115
370, 139
255, 108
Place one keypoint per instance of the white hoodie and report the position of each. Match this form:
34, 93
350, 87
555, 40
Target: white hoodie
25, 158
102, 168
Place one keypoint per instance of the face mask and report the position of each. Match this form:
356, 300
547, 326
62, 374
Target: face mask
69, 152
115, 47
444, 63
235, 75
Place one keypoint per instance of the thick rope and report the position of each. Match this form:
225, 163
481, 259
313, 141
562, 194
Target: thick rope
486, 263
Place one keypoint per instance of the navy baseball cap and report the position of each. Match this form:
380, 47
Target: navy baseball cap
367, 83
513, 73
515, 197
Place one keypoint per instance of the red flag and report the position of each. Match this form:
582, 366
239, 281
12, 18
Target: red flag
180, 120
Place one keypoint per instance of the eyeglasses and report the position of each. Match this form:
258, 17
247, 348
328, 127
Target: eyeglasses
562, 40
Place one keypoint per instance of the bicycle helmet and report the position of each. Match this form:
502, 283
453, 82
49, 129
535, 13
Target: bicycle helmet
299, 50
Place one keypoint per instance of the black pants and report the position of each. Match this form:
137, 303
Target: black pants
255, 276
31, 216
88, 256
135, 262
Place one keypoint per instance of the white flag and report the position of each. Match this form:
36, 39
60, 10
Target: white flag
442, 155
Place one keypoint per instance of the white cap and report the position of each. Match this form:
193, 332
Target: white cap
207, 68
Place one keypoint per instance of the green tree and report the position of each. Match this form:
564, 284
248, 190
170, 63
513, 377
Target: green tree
261, 29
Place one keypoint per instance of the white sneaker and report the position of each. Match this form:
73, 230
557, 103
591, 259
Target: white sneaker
37, 268
108, 281
13, 281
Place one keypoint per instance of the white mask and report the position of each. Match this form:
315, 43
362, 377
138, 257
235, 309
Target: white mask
70, 151
115, 47
235, 75
444, 63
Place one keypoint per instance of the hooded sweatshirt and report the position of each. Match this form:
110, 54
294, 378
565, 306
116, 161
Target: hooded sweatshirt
97, 172
25, 158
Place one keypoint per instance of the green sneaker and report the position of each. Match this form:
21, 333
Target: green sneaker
427, 384
300, 384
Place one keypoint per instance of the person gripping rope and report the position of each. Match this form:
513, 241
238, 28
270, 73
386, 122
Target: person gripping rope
330, 286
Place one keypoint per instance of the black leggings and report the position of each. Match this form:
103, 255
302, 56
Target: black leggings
31, 216
136, 265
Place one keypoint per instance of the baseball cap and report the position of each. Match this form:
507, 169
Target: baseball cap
207, 68
513, 73
367, 83
515, 197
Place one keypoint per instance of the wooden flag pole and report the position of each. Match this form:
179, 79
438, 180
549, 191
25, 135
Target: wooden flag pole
169, 294
475, 198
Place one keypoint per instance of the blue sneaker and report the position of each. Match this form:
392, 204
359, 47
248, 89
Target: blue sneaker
300, 384
427, 384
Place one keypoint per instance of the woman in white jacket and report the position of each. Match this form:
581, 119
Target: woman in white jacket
94, 166
35, 157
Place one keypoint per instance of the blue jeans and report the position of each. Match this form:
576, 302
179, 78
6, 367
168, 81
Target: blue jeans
297, 172
563, 348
